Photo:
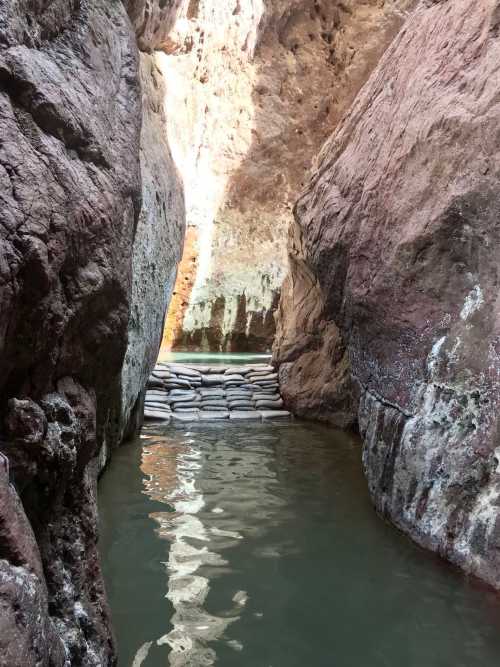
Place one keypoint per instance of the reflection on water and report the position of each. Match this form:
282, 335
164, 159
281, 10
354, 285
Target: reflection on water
190, 542
257, 546
200, 529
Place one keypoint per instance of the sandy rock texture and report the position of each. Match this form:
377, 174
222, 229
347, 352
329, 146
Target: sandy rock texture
394, 282
70, 173
256, 88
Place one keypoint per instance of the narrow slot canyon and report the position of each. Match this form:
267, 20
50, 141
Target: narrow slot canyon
249, 333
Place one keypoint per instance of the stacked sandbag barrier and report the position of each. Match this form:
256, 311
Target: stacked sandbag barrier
191, 392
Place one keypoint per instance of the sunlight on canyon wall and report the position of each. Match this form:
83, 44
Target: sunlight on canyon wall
254, 89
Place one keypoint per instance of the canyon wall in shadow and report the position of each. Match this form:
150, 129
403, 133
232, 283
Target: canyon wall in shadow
82, 208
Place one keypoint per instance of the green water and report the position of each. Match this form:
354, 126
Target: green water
257, 546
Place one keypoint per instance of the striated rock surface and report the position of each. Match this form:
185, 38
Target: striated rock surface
248, 112
157, 246
393, 286
70, 172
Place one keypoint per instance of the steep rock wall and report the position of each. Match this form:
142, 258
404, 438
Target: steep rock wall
249, 112
157, 246
70, 169
394, 283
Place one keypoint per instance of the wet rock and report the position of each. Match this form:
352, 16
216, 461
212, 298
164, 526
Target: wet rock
25, 421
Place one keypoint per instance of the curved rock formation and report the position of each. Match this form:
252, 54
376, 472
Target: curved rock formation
70, 169
393, 290
249, 112
157, 246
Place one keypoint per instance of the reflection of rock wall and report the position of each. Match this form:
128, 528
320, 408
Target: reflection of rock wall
397, 239
209, 511
248, 84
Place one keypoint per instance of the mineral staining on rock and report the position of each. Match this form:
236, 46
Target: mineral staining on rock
247, 84
186, 393
393, 285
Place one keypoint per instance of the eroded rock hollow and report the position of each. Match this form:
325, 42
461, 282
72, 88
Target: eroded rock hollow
389, 316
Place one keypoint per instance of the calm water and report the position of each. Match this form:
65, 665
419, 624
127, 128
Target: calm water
257, 546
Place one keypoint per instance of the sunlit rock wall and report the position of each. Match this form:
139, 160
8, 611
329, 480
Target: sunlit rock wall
393, 290
256, 88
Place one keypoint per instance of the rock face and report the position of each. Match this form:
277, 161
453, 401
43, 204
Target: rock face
393, 289
157, 246
247, 82
70, 171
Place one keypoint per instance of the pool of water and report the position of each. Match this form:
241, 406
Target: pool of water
257, 546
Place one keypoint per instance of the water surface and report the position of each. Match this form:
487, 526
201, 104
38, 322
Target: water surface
257, 546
